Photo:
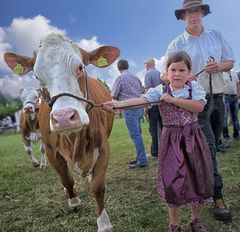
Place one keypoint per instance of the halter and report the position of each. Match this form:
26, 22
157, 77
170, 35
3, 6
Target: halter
90, 104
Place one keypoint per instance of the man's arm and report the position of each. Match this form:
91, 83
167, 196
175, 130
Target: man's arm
215, 67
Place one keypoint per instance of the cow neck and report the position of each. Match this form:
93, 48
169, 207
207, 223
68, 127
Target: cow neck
32, 123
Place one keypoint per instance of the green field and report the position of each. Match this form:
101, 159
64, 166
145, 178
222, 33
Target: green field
33, 200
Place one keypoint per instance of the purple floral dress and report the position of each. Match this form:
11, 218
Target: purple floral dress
185, 175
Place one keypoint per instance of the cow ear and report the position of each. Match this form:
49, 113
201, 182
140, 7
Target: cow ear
85, 56
103, 56
19, 64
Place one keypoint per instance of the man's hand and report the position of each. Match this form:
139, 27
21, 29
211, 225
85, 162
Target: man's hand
212, 67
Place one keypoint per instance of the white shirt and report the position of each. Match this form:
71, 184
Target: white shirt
209, 43
198, 93
231, 83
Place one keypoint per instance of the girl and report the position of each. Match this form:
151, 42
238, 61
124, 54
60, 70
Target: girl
185, 176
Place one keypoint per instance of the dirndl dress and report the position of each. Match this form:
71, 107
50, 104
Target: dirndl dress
185, 172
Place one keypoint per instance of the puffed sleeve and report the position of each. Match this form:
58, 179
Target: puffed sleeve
198, 92
154, 94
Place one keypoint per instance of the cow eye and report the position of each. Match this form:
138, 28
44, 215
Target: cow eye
80, 67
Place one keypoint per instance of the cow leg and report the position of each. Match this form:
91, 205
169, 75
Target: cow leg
60, 165
43, 162
29, 151
98, 189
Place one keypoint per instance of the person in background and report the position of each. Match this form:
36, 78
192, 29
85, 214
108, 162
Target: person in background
231, 104
211, 56
238, 90
184, 164
152, 79
127, 86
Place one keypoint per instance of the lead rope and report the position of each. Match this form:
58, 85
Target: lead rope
91, 104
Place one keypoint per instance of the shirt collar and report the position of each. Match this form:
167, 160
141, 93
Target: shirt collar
186, 86
188, 35
125, 71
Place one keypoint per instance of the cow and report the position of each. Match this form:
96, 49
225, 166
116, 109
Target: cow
73, 133
29, 124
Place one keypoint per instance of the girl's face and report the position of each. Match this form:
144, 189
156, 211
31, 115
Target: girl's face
178, 74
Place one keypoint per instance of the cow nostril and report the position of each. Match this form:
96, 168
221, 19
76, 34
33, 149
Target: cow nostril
54, 120
73, 116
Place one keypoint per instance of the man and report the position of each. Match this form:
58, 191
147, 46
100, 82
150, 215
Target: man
128, 86
210, 52
231, 103
152, 79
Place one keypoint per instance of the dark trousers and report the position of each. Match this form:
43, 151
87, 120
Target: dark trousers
155, 126
211, 122
231, 104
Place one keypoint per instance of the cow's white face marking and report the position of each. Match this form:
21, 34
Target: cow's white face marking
55, 67
29, 98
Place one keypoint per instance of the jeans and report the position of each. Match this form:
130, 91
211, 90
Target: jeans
211, 122
133, 122
231, 104
155, 126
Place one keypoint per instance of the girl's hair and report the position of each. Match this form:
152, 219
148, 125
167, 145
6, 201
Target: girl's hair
178, 57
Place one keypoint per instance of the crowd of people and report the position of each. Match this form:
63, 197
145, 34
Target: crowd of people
197, 93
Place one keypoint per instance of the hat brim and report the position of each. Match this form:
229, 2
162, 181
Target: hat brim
180, 13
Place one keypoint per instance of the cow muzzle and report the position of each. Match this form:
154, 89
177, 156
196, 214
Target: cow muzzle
66, 121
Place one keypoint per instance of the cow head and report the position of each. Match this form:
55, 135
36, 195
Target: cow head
57, 65
30, 100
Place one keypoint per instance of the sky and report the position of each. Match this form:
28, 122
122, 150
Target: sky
139, 28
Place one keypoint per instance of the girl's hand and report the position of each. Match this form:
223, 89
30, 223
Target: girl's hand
108, 106
167, 98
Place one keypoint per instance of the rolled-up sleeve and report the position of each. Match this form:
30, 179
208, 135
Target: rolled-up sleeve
198, 92
154, 94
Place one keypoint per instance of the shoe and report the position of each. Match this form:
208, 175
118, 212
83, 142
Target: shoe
133, 161
136, 165
220, 211
174, 228
196, 226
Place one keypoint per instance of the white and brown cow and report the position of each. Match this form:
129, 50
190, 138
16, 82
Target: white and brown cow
29, 125
71, 134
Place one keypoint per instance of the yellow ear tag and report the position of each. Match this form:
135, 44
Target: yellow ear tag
102, 61
19, 69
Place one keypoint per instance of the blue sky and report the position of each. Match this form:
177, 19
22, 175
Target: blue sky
140, 28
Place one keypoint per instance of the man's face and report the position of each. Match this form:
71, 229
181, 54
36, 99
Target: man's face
193, 16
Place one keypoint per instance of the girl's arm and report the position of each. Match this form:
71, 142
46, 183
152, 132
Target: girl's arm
194, 106
133, 101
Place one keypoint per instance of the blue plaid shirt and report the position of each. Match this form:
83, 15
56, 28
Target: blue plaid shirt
126, 86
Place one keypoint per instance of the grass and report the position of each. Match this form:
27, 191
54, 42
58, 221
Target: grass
33, 200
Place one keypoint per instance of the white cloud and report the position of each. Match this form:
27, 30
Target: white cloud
23, 36
89, 45
10, 85
4, 45
26, 34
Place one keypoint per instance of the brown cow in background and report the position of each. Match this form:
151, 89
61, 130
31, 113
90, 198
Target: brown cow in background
73, 134
29, 125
